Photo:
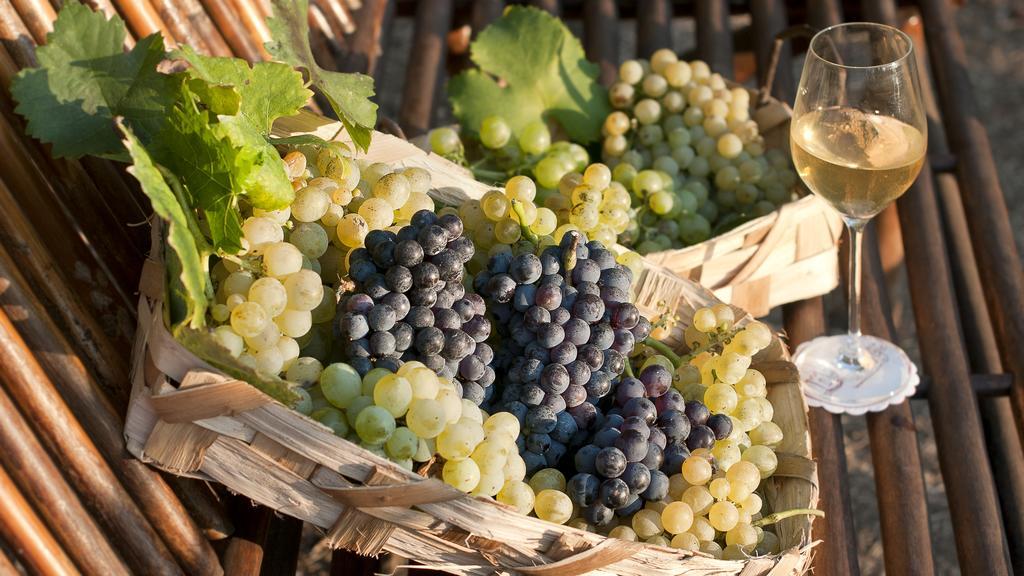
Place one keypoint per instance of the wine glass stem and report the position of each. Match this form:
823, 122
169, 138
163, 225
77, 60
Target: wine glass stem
852, 353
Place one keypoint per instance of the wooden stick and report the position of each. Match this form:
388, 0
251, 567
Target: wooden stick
251, 16
601, 37
43, 484
714, 36
653, 26
190, 25
38, 17
16, 38
244, 554
29, 538
235, 34
284, 534
203, 506
143, 20
426, 61
999, 262
7, 567
73, 383
27, 383
365, 50
769, 18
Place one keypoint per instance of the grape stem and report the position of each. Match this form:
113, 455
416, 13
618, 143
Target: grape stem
664, 350
629, 368
517, 207
773, 518
714, 340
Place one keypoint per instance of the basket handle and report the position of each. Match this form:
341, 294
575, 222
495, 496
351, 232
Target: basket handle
798, 31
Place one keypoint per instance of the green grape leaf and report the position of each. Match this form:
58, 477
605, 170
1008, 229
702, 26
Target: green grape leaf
261, 170
348, 94
267, 90
530, 66
181, 236
85, 79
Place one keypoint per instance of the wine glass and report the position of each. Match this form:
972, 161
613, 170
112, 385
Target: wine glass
858, 137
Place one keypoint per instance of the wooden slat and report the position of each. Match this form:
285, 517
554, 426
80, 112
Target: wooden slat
26, 534
244, 553
76, 386
7, 567
1004, 446
196, 23
38, 17
366, 43
653, 26
894, 452
16, 38
285, 536
769, 18
42, 484
28, 384
837, 555
234, 32
143, 19
984, 204
714, 36
601, 37
426, 63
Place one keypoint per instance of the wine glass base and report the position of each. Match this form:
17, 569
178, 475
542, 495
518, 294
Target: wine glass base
881, 375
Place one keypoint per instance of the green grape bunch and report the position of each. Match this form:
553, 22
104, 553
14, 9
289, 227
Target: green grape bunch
684, 144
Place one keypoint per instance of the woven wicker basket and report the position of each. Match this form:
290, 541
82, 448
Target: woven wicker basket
788, 255
190, 419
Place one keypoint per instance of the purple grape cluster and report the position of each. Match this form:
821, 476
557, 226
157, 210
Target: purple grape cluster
409, 303
644, 439
566, 327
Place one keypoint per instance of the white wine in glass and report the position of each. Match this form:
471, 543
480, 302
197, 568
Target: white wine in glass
858, 138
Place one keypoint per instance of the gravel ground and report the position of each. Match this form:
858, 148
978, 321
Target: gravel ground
993, 33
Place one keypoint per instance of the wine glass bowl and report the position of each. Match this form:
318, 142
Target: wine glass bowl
858, 138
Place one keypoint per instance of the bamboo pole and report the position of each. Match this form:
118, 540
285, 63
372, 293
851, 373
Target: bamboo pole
7, 567
28, 385
253, 20
29, 538
38, 17
143, 20
42, 484
16, 38
235, 33
74, 384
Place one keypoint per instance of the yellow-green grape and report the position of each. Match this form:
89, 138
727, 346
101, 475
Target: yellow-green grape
502, 423
685, 541
229, 339
661, 59
310, 204
725, 454
333, 419
752, 385
495, 205
631, 72
472, 413
584, 216
740, 492
417, 201
517, 494
603, 234
405, 369
704, 320
260, 232
742, 535
281, 259
597, 176
325, 310
305, 291
766, 434
660, 202
548, 479
378, 213
719, 488
734, 367
723, 516
647, 524
424, 452
507, 231
711, 548
269, 293
724, 315
623, 532
248, 319
751, 504
720, 398
702, 529
458, 440
352, 230
491, 455
424, 383
494, 132
545, 222
677, 517
696, 470
392, 188
374, 425
451, 402
647, 112
616, 123
490, 483
763, 458
220, 312
515, 467
553, 506
304, 403
402, 444
393, 393
280, 217
678, 74
294, 323
426, 417
521, 188
676, 486
656, 505
289, 349
310, 238
304, 371
340, 384
535, 139
266, 339
699, 499
658, 540
462, 474
356, 406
